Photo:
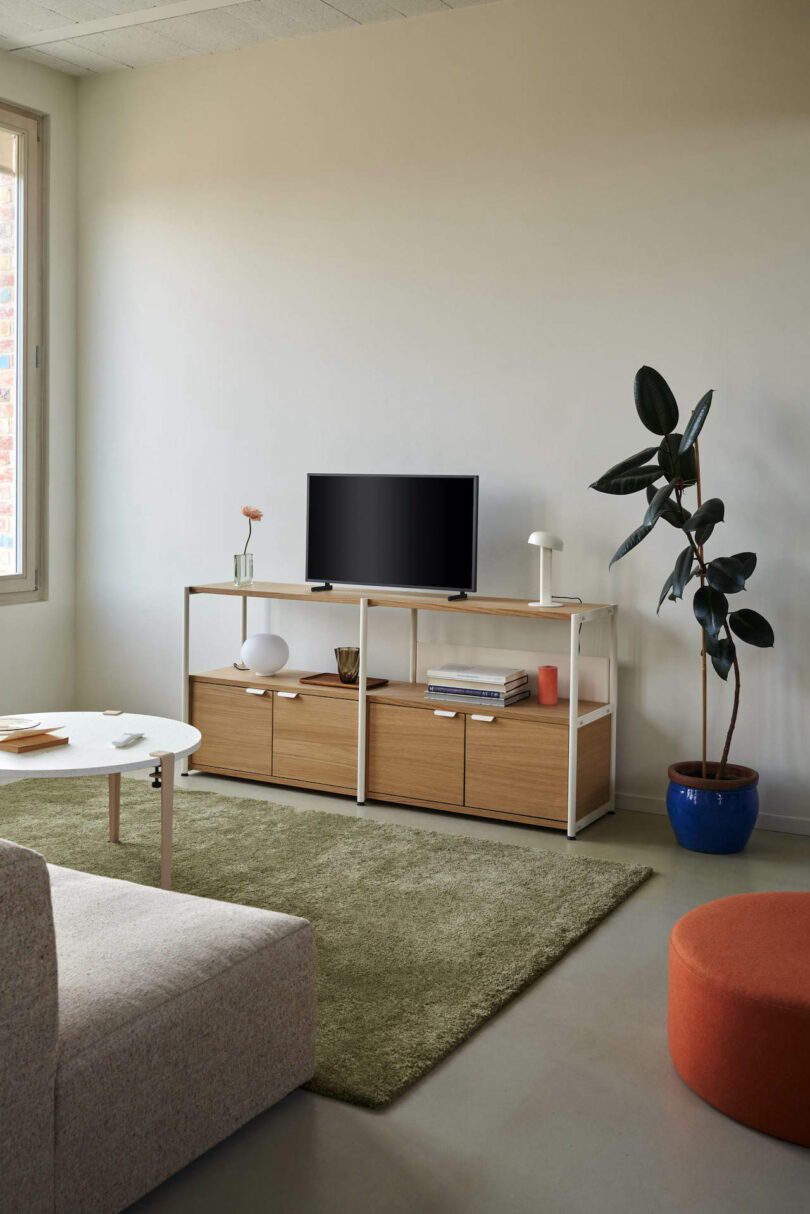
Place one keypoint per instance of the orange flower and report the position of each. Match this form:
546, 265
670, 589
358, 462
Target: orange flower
252, 513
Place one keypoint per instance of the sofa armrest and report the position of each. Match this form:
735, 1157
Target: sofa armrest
28, 1032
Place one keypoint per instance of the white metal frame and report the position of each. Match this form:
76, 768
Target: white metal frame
576, 721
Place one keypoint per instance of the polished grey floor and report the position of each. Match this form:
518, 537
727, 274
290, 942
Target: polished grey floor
564, 1103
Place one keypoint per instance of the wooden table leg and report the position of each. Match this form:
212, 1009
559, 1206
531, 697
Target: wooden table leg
166, 814
114, 780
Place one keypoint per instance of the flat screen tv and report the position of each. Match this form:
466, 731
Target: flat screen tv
414, 532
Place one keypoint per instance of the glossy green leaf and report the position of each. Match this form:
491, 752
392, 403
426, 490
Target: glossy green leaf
681, 572
703, 534
723, 656
751, 627
674, 464
711, 643
725, 573
747, 561
632, 461
712, 511
710, 608
655, 403
629, 481
658, 503
632, 540
695, 423
665, 590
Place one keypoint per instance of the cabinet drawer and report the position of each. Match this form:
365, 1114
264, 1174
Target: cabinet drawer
517, 767
412, 752
236, 728
315, 740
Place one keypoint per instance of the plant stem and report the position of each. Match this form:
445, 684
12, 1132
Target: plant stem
704, 686
247, 541
721, 771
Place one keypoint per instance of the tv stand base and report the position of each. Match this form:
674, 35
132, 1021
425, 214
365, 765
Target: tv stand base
325, 586
457, 598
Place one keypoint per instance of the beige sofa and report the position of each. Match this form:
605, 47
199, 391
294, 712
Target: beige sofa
138, 1028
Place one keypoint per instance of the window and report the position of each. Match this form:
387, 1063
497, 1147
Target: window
22, 481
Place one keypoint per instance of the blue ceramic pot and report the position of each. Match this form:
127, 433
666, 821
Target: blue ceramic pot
712, 815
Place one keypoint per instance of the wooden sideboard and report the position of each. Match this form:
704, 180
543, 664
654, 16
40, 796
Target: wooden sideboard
546, 766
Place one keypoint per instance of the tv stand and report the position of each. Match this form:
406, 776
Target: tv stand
325, 586
457, 598
540, 765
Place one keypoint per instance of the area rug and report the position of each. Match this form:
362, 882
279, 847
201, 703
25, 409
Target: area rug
420, 936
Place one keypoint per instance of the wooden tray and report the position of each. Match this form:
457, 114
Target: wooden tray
333, 680
20, 746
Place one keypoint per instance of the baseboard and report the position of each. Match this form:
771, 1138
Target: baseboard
657, 805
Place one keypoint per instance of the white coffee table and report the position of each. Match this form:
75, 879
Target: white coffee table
90, 753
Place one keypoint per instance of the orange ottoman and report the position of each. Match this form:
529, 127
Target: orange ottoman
739, 1009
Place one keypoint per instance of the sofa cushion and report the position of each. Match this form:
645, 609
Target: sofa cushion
180, 1018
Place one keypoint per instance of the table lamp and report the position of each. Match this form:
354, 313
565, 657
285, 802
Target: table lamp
547, 543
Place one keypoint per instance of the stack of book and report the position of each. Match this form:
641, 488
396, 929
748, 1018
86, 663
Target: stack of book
497, 686
19, 735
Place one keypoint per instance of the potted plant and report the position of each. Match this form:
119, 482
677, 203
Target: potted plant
712, 806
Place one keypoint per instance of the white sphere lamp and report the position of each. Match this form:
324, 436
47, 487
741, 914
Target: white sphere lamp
265, 653
547, 543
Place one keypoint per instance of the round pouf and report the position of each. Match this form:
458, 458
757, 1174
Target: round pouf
265, 653
739, 1009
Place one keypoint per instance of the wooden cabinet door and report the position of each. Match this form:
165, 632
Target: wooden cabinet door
236, 728
315, 740
415, 752
517, 767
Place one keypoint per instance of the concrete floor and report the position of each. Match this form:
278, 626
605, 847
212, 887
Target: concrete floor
564, 1103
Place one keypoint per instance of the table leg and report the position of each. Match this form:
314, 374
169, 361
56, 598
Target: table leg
114, 780
166, 814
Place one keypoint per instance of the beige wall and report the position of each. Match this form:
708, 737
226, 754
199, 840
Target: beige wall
37, 640
446, 245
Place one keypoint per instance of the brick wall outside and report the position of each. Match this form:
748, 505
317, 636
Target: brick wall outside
8, 403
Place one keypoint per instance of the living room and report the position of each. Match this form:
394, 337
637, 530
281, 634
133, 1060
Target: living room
550, 262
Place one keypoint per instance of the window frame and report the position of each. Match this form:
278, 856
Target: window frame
30, 584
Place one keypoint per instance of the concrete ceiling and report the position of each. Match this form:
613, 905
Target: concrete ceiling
83, 37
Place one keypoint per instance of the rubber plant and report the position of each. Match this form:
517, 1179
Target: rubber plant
665, 472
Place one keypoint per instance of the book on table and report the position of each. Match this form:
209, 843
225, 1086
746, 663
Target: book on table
496, 676
501, 702
484, 691
38, 741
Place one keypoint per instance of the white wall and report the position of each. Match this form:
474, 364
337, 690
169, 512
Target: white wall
446, 245
37, 640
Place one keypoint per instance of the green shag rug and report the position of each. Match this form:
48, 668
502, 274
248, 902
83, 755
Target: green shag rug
420, 936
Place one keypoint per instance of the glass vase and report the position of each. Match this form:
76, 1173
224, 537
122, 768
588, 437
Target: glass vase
243, 569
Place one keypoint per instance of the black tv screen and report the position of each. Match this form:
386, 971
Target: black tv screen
419, 532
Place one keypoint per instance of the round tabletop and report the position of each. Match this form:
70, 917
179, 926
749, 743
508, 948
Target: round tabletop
90, 751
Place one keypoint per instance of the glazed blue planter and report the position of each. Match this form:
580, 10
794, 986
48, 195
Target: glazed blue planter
711, 815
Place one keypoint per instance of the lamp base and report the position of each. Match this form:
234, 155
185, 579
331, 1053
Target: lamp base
547, 606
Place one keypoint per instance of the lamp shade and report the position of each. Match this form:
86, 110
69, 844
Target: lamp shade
265, 653
545, 539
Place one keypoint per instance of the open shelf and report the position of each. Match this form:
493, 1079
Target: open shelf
407, 695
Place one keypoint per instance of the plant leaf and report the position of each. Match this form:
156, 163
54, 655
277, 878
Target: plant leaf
712, 511
658, 502
655, 403
723, 656
747, 561
751, 627
726, 573
629, 481
632, 461
674, 464
703, 534
711, 643
682, 572
695, 423
710, 608
664, 592
632, 540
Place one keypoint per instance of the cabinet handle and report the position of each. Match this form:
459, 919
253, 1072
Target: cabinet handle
442, 712
475, 717
255, 691
287, 695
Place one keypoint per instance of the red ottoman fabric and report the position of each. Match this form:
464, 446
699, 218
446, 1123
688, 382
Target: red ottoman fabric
739, 1009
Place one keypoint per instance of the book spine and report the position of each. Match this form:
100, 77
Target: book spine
498, 689
474, 692
468, 676
501, 702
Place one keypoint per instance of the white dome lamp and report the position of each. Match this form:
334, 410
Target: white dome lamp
265, 653
547, 543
